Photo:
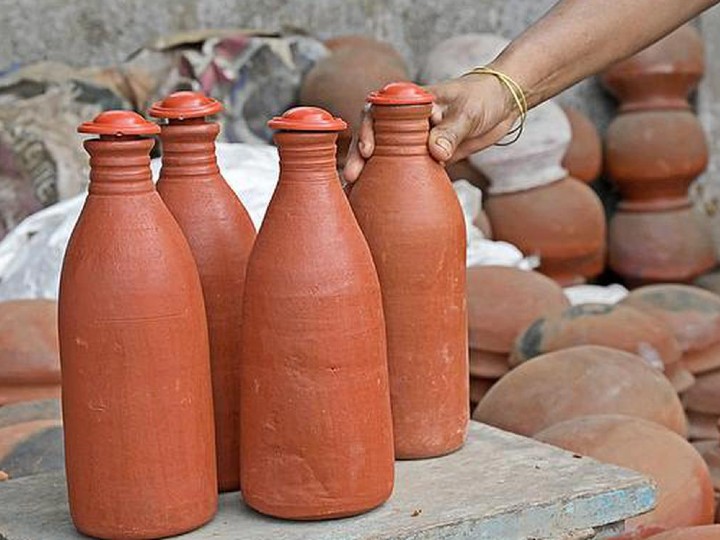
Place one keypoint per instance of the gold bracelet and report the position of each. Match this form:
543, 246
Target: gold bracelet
515, 91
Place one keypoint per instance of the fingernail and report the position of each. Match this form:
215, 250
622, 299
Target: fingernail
363, 147
445, 144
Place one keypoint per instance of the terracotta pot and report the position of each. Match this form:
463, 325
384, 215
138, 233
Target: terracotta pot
418, 245
660, 76
504, 301
654, 156
656, 247
692, 313
699, 362
704, 396
29, 411
707, 532
684, 490
563, 223
31, 448
584, 156
220, 234
701, 426
29, 358
578, 382
341, 81
488, 365
313, 343
616, 326
130, 295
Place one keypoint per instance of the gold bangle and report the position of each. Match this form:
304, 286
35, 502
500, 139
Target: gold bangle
515, 91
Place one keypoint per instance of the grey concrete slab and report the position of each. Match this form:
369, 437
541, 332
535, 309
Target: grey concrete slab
499, 486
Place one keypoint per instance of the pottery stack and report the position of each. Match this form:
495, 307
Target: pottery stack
341, 81
654, 150
616, 326
583, 158
694, 316
502, 303
532, 202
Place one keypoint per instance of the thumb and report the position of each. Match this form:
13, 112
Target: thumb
447, 135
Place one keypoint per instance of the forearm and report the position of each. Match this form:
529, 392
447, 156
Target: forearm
578, 38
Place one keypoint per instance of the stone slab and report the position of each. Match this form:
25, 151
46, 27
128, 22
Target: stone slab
499, 486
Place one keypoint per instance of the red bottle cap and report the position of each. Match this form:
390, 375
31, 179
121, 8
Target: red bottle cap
182, 105
401, 93
119, 123
307, 119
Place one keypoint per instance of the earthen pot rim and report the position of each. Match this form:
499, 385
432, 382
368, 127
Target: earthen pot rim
185, 104
119, 123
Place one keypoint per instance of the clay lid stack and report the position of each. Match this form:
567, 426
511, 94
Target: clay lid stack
502, 302
694, 316
29, 356
616, 326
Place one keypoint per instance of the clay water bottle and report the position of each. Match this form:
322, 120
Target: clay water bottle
136, 393
221, 234
412, 220
314, 400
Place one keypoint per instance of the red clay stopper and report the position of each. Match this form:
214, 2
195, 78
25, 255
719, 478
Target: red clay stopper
220, 234
401, 93
119, 123
307, 119
184, 105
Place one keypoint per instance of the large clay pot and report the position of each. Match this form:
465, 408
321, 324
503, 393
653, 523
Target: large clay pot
660, 76
137, 397
691, 312
29, 358
657, 247
29, 411
616, 326
315, 406
706, 532
583, 158
562, 222
580, 381
413, 222
504, 301
684, 490
341, 81
221, 234
459, 54
654, 156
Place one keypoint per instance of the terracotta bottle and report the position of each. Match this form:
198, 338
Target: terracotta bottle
221, 234
137, 398
654, 150
411, 217
315, 408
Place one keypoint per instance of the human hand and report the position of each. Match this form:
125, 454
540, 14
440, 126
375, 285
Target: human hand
470, 113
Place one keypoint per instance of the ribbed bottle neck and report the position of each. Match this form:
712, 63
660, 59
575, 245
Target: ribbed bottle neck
119, 165
401, 130
188, 149
312, 154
